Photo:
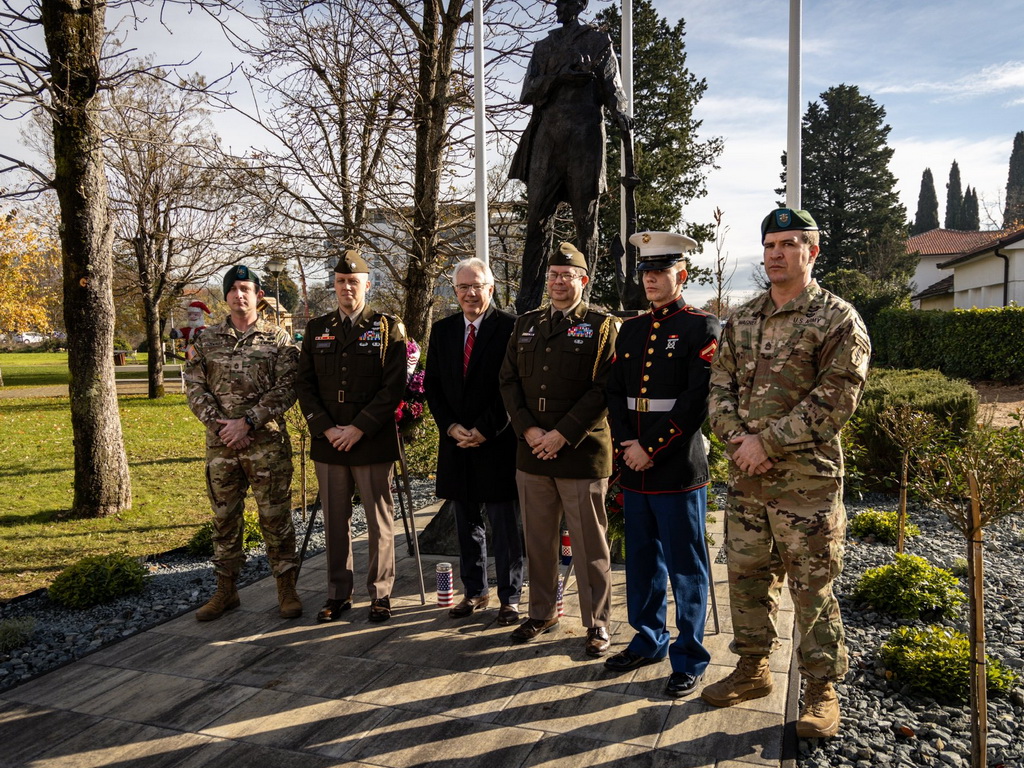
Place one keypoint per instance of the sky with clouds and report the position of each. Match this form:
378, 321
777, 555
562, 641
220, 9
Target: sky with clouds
949, 74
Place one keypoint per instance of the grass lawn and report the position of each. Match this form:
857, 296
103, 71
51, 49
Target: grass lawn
164, 443
40, 369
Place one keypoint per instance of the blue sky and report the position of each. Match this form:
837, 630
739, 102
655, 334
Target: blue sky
949, 74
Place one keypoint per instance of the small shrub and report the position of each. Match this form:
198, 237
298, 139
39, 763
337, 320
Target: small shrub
959, 568
875, 458
98, 579
201, 543
935, 661
884, 526
909, 587
15, 633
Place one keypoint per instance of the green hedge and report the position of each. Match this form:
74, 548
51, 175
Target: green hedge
967, 343
872, 458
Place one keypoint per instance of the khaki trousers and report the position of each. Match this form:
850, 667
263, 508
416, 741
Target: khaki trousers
542, 502
337, 484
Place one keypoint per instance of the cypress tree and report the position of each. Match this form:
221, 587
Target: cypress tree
954, 198
927, 217
1013, 215
969, 216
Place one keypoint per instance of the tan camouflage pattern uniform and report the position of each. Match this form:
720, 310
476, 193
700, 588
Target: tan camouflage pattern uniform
794, 376
233, 375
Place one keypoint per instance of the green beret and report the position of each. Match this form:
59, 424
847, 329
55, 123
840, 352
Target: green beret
568, 255
240, 272
785, 219
351, 263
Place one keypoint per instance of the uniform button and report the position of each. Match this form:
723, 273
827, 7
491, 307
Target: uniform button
543, 386
648, 364
647, 378
657, 325
650, 351
643, 390
547, 349
671, 431
546, 368
343, 369
650, 449
343, 383
653, 337
344, 354
626, 355
661, 439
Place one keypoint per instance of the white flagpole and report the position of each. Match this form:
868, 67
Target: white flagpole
627, 87
482, 219
794, 152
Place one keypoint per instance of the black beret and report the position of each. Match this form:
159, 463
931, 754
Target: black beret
240, 272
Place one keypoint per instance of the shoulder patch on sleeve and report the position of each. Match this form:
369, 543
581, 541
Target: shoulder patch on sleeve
708, 353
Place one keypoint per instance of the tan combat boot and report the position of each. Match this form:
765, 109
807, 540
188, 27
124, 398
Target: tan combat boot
224, 599
819, 716
289, 606
750, 680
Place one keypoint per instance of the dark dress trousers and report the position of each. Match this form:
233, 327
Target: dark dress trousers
356, 378
553, 377
657, 394
481, 479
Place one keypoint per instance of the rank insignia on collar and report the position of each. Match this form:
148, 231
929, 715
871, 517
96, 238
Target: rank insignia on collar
581, 331
708, 353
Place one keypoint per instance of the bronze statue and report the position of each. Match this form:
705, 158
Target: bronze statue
573, 75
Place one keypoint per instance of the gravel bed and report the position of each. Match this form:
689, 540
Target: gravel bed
178, 583
883, 724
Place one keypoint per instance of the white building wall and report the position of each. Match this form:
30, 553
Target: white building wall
979, 283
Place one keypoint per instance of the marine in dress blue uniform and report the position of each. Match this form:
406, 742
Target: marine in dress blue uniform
657, 403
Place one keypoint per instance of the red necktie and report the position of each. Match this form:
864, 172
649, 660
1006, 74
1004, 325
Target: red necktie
470, 340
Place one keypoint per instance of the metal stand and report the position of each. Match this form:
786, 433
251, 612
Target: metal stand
409, 520
711, 589
305, 539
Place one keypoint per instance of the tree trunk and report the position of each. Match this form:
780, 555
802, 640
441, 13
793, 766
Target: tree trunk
74, 33
155, 372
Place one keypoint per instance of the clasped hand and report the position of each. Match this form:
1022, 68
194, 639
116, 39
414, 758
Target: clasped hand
545, 444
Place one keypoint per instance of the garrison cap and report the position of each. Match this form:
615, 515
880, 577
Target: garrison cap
568, 255
240, 272
785, 219
351, 263
660, 250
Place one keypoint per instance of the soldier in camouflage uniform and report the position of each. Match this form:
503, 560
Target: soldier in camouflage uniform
240, 382
788, 375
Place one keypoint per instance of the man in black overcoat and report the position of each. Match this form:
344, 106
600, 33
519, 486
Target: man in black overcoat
476, 457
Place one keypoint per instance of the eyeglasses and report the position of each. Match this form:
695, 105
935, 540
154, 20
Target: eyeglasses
467, 287
562, 277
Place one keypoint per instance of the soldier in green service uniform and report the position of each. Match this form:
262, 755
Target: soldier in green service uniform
352, 375
788, 375
241, 380
552, 382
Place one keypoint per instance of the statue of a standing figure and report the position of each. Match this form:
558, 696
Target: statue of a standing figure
573, 74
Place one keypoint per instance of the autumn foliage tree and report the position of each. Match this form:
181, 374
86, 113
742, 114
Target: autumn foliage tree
30, 265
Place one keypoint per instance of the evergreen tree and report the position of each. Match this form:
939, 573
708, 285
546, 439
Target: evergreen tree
954, 198
927, 217
848, 186
1013, 215
671, 160
970, 220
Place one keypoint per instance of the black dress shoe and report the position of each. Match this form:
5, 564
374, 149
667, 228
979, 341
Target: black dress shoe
332, 610
626, 661
380, 609
470, 605
508, 615
530, 628
682, 683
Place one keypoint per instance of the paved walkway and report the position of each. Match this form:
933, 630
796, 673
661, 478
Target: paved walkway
254, 690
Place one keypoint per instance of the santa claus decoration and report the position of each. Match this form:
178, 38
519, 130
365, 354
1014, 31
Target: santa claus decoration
196, 314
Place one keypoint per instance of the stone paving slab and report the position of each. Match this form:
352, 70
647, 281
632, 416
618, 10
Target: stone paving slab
253, 690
